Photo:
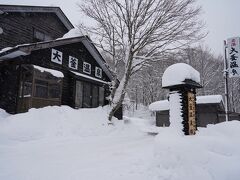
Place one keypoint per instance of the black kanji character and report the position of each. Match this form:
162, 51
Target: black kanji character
73, 63
233, 50
234, 72
233, 57
56, 55
233, 64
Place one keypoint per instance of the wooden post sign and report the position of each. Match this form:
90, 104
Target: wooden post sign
191, 114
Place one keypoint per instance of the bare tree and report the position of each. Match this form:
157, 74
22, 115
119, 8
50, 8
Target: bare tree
209, 67
139, 31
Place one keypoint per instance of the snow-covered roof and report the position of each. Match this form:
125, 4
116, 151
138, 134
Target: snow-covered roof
159, 105
51, 71
210, 99
164, 104
176, 74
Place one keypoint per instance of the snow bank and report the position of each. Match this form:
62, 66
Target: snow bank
212, 154
52, 122
51, 71
177, 73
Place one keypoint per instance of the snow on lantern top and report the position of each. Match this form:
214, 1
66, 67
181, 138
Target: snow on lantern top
180, 73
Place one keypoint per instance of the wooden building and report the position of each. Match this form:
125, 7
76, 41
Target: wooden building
29, 24
41, 70
210, 110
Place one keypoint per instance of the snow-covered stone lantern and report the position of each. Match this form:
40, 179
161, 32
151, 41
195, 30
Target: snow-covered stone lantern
182, 80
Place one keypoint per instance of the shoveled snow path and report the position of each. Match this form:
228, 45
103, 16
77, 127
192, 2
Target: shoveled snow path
111, 157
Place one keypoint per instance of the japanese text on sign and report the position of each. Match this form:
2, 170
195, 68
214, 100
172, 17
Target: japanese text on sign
233, 57
56, 56
73, 62
191, 114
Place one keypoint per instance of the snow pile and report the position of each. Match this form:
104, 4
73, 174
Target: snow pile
63, 143
51, 71
52, 122
75, 32
212, 154
177, 73
60, 143
159, 105
175, 114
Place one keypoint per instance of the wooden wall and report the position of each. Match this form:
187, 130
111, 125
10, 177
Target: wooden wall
18, 28
206, 114
9, 87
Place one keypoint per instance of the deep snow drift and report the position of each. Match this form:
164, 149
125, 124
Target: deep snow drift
60, 143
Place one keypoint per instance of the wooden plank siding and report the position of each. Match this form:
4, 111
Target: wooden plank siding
18, 27
42, 58
9, 78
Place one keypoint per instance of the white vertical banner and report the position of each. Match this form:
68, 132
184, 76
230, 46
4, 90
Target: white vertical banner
233, 56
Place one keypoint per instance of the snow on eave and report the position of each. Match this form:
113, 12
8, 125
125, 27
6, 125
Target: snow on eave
75, 32
164, 104
89, 77
12, 54
51, 71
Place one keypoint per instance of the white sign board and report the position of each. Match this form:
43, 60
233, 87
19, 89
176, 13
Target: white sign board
73, 63
56, 56
233, 56
98, 72
86, 68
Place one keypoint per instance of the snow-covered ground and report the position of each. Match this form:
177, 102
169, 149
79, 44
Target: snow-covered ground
60, 143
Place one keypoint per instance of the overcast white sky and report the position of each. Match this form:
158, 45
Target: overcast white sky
221, 17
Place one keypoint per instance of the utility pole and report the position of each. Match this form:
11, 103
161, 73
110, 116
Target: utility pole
226, 82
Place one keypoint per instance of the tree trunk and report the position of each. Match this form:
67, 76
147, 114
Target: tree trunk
117, 105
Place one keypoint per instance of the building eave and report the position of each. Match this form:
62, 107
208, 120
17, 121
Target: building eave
26, 49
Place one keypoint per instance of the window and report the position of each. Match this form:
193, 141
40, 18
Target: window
25, 89
44, 89
41, 89
40, 36
86, 68
54, 91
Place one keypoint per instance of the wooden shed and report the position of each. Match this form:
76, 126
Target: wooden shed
67, 71
210, 110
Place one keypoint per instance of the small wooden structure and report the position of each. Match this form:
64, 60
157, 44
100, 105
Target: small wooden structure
210, 110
